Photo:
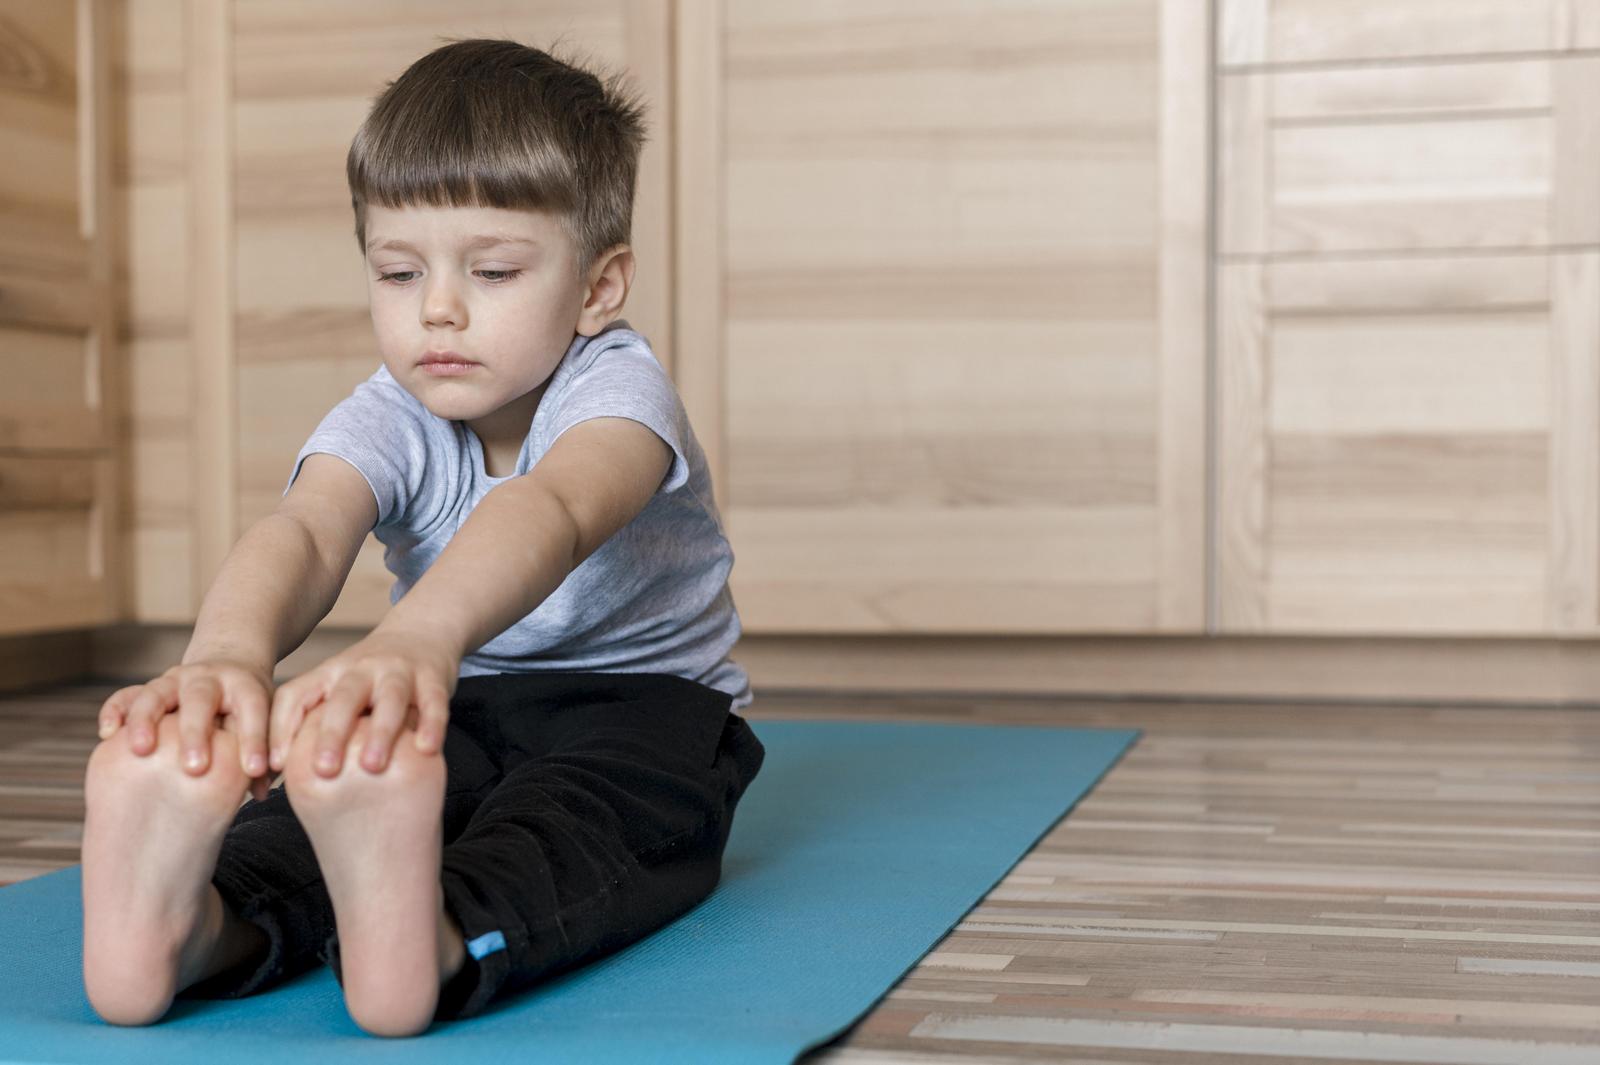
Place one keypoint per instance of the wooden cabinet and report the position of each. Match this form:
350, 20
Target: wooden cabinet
942, 280
1408, 307
931, 282
60, 473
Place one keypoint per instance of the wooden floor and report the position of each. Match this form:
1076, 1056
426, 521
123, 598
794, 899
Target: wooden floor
1255, 883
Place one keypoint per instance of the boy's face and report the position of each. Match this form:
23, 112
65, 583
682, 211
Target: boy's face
495, 286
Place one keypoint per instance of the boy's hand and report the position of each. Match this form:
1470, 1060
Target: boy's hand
200, 692
392, 671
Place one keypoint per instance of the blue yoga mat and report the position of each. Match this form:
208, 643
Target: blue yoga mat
855, 850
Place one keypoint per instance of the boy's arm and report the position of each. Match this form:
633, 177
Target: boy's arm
525, 535
515, 548
284, 574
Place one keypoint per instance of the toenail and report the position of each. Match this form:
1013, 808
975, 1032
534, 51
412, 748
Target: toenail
326, 760
194, 759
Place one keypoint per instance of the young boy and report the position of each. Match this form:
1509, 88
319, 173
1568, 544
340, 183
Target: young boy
535, 758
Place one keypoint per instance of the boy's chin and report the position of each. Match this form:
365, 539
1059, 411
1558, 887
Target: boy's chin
441, 405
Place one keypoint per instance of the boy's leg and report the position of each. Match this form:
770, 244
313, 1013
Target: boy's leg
268, 878
378, 839
151, 837
610, 822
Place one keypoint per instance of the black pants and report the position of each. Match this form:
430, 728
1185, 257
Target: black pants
582, 812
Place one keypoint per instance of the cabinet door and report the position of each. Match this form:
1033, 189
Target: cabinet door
1409, 446
942, 280
1405, 158
1407, 303
58, 488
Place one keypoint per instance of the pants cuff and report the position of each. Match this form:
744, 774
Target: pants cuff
252, 974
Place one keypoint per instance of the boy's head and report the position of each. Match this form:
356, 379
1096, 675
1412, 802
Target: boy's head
493, 194
494, 123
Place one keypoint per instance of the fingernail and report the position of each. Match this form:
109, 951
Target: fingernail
141, 737
327, 760
255, 766
194, 759
373, 758
105, 730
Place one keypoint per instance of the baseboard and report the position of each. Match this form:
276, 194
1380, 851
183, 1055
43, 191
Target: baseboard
1457, 671
43, 659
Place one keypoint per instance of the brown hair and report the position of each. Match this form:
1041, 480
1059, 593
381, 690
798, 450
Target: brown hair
495, 123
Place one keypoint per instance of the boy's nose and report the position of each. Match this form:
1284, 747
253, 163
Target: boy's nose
441, 306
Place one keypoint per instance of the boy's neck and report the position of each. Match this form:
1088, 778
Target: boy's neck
502, 432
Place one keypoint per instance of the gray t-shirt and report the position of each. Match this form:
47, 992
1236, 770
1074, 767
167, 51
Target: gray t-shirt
653, 598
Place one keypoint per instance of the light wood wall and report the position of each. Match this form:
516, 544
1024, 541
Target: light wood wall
60, 376
1408, 298
946, 351
931, 279
944, 288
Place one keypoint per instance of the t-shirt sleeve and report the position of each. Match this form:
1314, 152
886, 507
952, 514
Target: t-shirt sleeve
626, 381
378, 431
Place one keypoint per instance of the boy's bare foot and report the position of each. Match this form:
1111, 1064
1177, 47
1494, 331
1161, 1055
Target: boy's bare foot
151, 836
379, 839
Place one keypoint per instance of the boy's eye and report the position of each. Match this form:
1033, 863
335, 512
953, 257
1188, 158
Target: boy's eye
494, 277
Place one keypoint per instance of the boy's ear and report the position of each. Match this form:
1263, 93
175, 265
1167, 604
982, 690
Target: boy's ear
609, 281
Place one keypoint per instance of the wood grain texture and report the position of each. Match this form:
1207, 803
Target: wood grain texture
961, 380
1184, 414
154, 199
1409, 445
213, 289
1272, 883
61, 408
1328, 32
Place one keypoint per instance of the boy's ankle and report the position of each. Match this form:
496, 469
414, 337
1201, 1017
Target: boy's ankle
452, 947
221, 941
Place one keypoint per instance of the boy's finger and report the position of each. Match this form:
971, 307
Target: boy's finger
388, 713
115, 710
250, 721
198, 700
147, 708
339, 710
284, 721
433, 716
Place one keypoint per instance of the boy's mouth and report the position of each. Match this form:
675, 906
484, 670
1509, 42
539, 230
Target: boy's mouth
446, 364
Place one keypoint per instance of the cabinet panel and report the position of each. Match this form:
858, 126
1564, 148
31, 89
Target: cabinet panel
1408, 446
39, 111
1486, 155
1324, 31
50, 397
54, 540
958, 244
59, 492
